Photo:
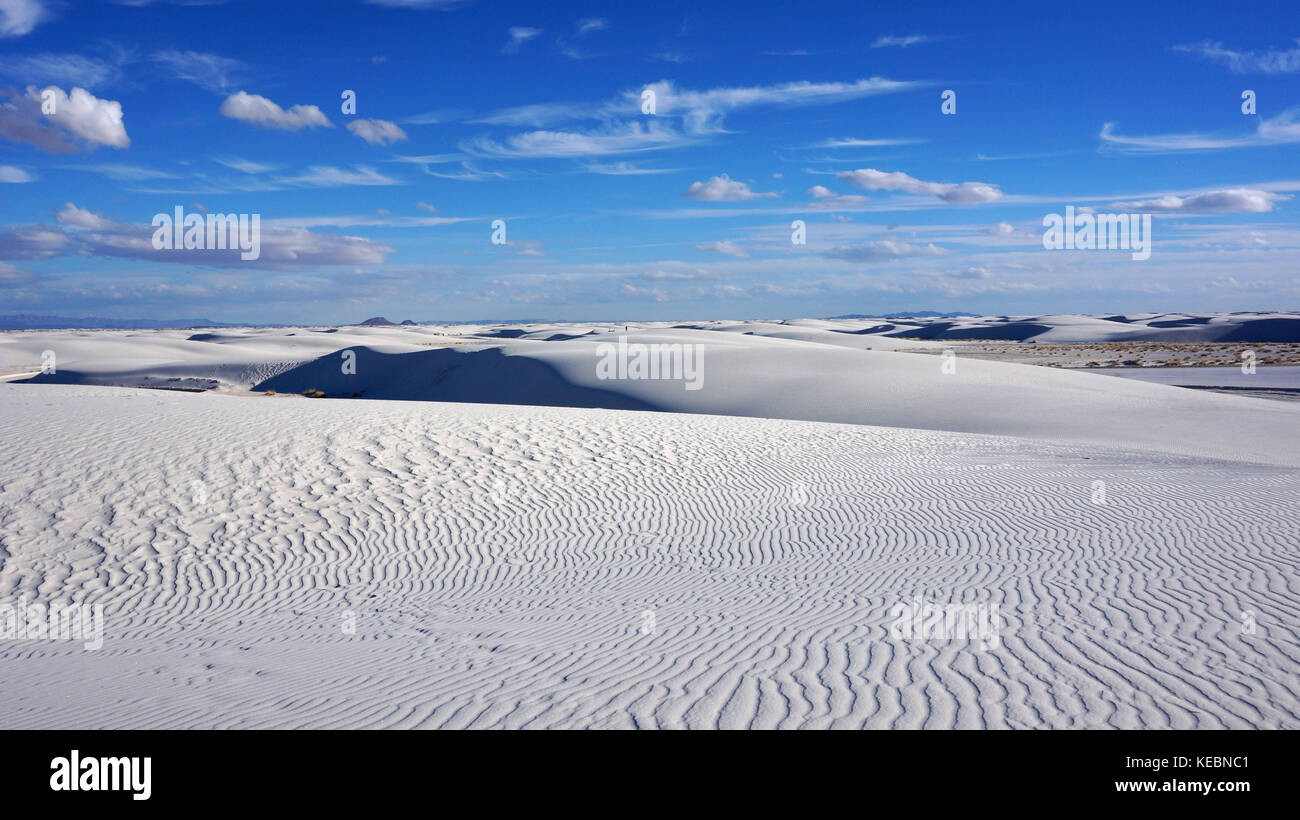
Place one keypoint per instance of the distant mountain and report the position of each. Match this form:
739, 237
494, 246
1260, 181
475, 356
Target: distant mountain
916, 314
376, 321
28, 322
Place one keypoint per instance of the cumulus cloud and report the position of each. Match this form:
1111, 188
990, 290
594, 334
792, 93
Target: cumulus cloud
1001, 229
377, 132
81, 218
965, 193
96, 236
31, 242
725, 246
1269, 61
19, 17
80, 120
826, 198
10, 173
1228, 200
883, 251
11, 277
722, 188
258, 110
518, 36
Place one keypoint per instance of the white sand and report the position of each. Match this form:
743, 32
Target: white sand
498, 561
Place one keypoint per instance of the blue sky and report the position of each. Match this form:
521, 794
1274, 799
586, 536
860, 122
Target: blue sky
531, 113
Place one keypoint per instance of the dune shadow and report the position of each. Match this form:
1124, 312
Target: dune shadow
477, 377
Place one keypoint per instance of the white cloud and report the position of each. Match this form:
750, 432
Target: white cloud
965, 193
424, 206
81, 115
726, 246
326, 176
852, 142
245, 166
590, 24
61, 69
1270, 61
626, 169
1229, 200
700, 111
10, 173
18, 17
886, 41
81, 218
122, 172
208, 71
417, 4
1001, 229
518, 36
1280, 130
377, 132
620, 139
883, 251
820, 191
31, 242
703, 111
722, 189
258, 110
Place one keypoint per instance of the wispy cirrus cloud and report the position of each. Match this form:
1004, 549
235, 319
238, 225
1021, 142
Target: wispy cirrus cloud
1280, 130
62, 69
629, 137
211, 72
884, 250
328, 176
854, 142
725, 246
444, 5
246, 166
682, 116
123, 172
1268, 61
518, 36
12, 174
626, 169
891, 41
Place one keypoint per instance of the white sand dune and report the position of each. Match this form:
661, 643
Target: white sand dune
734, 560
811, 371
499, 563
